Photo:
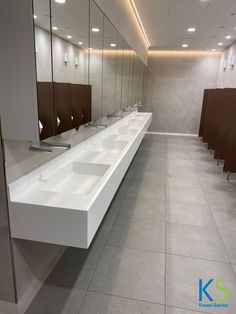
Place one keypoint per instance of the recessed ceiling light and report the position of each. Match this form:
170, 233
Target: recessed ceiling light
80, 43
228, 37
60, 1
95, 30
113, 45
213, 50
90, 48
69, 36
35, 16
55, 28
185, 45
220, 44
191, 29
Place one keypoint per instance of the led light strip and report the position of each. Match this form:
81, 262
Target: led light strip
139, 21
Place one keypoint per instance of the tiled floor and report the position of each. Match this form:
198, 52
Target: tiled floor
172, 222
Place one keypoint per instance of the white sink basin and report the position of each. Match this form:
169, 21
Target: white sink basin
76, 178
127, 131
97, 157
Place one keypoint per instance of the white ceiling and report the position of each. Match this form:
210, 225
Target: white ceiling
166, 23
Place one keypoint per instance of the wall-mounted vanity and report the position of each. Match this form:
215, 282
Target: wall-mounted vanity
64, 201
77, 83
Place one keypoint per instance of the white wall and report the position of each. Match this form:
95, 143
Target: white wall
227, 77
175, 82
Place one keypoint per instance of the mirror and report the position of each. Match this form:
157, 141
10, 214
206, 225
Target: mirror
86, 71
96, 59
70, 34
119, 73
43, 53
109, 68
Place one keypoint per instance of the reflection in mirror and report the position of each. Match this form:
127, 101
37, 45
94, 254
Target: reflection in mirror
141, 83
135, 83
43, 55
131, 73
119, 73
72, 94
125, 76
96, 58
109, 68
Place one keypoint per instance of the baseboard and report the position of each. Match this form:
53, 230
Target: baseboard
173, 134
36, 284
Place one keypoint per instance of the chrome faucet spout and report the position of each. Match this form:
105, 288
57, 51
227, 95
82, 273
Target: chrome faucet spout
59, 145
39, 148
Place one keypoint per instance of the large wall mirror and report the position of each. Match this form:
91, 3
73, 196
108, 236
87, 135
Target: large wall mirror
85, 69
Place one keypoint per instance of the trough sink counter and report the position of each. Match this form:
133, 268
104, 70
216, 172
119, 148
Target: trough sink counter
64, 201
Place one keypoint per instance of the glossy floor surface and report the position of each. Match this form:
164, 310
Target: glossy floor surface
172, 222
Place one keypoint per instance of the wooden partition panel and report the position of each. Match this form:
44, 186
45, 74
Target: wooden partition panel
212, 121
203, 114
45, 108
63, 106
230, 149
224, 126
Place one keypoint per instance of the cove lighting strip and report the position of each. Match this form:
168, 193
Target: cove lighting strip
135, 10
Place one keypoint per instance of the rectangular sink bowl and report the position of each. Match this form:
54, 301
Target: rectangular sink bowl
127, 131
114, 145
76, 178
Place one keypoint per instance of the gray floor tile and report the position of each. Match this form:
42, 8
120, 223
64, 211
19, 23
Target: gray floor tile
225, 217
149, 177
180, 182
192, 241
223, 199
57, 300
185, 163
183, 276
146, 190
188, 195
234, 268
138, 233
131, 273
135, 207
188, 173
229, 239
189, 214
106, 304
175, 310
9, 308
76, 267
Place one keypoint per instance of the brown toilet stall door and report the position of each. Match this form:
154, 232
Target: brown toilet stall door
218, 125
62, 107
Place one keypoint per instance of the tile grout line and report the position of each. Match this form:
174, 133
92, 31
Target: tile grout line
165, 278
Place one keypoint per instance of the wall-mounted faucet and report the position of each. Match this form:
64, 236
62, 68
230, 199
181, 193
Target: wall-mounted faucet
59, 145
46, 147
95, 125
39, 148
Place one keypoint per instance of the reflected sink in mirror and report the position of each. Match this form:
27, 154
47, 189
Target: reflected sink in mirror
76, 178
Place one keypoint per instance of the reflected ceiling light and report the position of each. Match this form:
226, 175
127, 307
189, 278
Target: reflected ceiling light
185, 45
113, 45
55, 28
135, 10
213, 50
220, 44
35, 16
69, 36
95, 30
80, 43
191, 29
228, 37
90, 48
60, 1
